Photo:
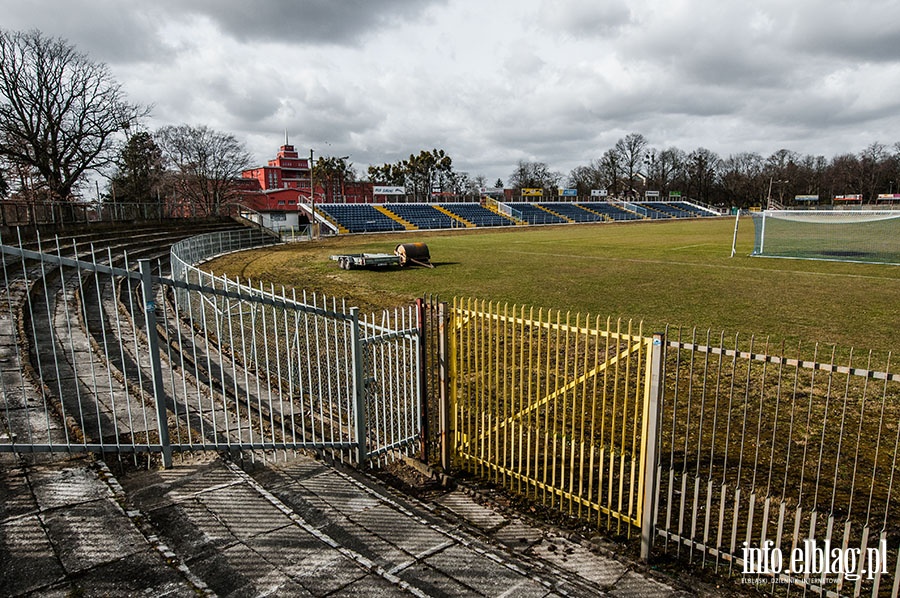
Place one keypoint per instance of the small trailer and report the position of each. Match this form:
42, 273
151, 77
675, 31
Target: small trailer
404, 255
366, 260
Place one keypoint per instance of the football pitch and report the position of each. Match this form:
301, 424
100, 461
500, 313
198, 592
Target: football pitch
676, 273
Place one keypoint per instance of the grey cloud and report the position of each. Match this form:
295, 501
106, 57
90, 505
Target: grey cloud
107, 30
846, 31
583, 19
341, 22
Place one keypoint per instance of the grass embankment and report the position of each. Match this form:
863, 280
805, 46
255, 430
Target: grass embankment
677, 273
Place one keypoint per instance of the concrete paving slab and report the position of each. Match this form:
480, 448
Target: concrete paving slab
300, 528
242, 511
182, 483
633, 585
27, 559
433, 582
90, 534
603, 572
372, 586
259, 577
139, 574
399, 529
482, 575
15, 495
518, 535
365, 543
338, 491
66, 486
305, 560
464, 505
200, 533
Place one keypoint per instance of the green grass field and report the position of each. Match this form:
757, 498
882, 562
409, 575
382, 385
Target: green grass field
677, 273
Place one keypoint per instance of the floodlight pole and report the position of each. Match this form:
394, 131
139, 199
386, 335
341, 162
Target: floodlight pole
312, 196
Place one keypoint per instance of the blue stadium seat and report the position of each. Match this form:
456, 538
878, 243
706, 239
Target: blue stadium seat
572, 211
532, 214
360, 218
423, 215
477, 214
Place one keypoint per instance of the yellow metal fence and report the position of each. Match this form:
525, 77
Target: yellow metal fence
552, 405
708, 450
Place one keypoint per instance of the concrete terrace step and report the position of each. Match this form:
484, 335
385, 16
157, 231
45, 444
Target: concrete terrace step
309, 529
63, 532
210, 527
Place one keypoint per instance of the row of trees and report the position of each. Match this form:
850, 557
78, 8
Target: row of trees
426, 174
632, 167
62, 115
194, 165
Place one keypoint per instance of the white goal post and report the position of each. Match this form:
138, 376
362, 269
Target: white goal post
867, 236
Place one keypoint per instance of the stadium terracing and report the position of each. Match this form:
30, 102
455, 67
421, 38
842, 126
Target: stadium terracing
368, 218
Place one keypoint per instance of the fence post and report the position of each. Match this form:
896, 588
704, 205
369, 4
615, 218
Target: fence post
651, 441
422, 379
359, 387
444, 364
155, 364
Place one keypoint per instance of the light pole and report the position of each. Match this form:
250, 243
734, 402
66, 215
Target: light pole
781, 192
312, 197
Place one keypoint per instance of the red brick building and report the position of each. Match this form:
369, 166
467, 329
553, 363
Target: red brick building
284, 185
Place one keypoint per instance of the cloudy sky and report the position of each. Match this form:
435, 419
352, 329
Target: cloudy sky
493, 82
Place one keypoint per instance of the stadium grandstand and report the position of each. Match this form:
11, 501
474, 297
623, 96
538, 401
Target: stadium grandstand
360, 218
283, 195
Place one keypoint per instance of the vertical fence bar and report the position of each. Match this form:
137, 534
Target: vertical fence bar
155, 364
422, 378
444, 355
650, 441
359, 388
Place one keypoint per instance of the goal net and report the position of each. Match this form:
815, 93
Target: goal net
869, 236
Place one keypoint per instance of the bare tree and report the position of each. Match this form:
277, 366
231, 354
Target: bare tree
703, 168
610, 167
662, 167
534, 175
584, 179
742, 180
207, 164
631, 150
60, 111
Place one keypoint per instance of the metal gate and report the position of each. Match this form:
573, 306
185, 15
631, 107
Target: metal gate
100, 353
553, 405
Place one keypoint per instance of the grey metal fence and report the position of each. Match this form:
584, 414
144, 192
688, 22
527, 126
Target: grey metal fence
766, 457
103, 356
